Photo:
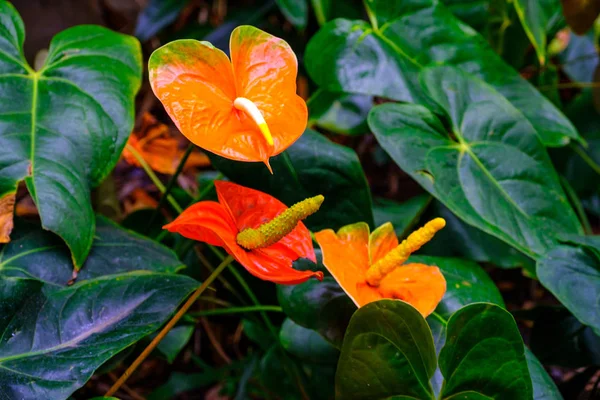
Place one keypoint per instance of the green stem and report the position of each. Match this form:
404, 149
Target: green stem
207, 188
170, 184
153, 177
236, 310
587, 228
586, 158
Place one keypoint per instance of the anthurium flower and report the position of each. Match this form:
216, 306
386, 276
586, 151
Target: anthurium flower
245, 109
258, 230
370, 266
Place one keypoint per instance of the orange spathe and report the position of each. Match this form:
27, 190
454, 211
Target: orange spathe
198, 85
349, 253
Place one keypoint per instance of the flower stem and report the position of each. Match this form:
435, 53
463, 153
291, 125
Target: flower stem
169, 326
236, 310
153, 177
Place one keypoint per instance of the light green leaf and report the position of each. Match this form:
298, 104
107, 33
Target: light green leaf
306, 344
63, 127
493, 172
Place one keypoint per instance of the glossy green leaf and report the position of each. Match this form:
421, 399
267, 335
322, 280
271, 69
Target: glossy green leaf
572, 274
321, 306
306, 344
383, 59
40, 255
537, 16
311, 166
484, 332
475, 13
388, 352
296, 11
63, 127
55, 339
340, 112
494, 173
157, 15
403, 216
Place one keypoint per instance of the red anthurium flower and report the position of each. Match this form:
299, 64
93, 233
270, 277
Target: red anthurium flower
370, 266
258, 230
245, 109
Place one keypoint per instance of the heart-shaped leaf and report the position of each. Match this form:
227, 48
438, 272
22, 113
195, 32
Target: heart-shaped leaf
54, 339
487, 332
492, 170
383, 59
63, 127
388, 351
313, 165
40, 255
572, 274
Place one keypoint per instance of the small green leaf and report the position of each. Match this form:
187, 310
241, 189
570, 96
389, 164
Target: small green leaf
306, 344
572, 274
544, 387
492, 172
537, 18
321, 306
388, 351
311, 166
175, 341
487, 332
64, 126
296, 11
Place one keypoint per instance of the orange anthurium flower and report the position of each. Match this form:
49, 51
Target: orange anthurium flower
258, 230
369, 266
245, 109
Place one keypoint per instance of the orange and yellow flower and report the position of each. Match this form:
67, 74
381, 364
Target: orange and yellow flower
370, 266
245, 109
259, 231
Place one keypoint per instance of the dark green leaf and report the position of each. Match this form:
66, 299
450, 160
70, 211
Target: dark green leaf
313, 165
340, 112
258, 334
322, 306
484, 332
180, 383
388, 351
40, 255
63, 127
384, 58
402, 215
296, 11
156, 15
495, 174
55, 339
475, 13
306, 344
572, 274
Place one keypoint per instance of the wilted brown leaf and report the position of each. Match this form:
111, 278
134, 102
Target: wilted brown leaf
156, 144
7, 206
